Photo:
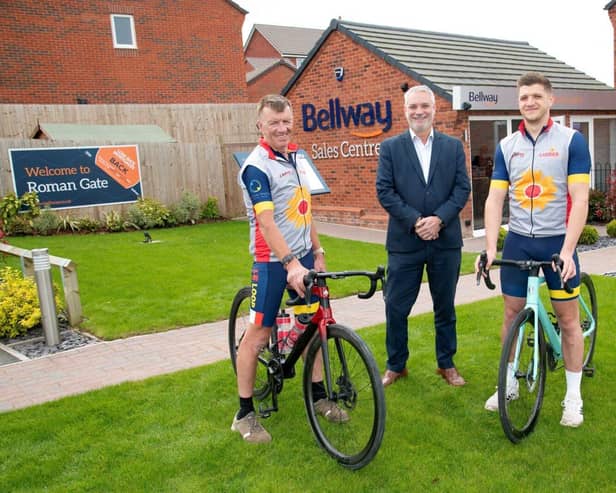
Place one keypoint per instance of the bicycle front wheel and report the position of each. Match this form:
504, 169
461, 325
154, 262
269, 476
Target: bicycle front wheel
588, 307
356, 389
520, 399
239, 318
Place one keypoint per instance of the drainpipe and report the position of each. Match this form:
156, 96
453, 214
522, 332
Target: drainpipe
44, 286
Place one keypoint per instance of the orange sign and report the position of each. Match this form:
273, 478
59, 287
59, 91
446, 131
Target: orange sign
120, 163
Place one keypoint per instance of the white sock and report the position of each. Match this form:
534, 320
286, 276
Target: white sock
574, 382
510, 373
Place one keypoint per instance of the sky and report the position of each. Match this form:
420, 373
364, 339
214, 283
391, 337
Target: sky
577, 32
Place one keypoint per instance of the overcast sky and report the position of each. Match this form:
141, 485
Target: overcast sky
577, 32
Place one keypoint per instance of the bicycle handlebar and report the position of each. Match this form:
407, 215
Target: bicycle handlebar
523, 265
312, 275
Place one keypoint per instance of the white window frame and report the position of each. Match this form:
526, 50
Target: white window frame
116, 44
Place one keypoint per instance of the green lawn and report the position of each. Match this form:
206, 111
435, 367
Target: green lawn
171, 433
189, 276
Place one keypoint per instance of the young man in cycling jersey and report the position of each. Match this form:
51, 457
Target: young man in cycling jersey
544, 169
284, 244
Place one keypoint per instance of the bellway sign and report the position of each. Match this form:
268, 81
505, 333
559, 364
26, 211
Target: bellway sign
67, 177
506, 98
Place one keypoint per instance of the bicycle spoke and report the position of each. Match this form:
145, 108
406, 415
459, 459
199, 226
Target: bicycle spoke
356, 390
520, 398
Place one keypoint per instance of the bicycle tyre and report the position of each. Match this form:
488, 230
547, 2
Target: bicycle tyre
519, 414
238, 323
588, 294
357, 389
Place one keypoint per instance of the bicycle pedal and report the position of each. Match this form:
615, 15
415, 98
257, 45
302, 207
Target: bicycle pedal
589, 371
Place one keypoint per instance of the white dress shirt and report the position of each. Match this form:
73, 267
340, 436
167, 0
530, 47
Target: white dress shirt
424, 151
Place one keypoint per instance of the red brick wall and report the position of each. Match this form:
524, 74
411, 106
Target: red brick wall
612, 14
367, 79
260, 47
189, 51
271, 82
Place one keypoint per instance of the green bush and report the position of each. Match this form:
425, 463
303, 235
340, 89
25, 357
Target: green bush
187, 210
210, 209
611, 228
46, 223
12, 221
88, 225
500, 242
113, 221
598, 208
149, 213
589, 236
19, 305
68, 223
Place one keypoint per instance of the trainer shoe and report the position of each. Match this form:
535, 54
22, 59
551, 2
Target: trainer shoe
330, 411
512, 394
250, 429
572, 413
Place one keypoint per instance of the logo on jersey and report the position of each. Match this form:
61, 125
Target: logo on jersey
551, 153
299, 211
534, 193
255, 186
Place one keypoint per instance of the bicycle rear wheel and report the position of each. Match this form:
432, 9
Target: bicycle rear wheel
239, 318
357, 389
588, 303
519, 407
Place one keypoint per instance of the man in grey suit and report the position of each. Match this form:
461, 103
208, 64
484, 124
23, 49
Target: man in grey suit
423, 185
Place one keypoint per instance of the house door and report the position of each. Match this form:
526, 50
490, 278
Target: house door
485, 136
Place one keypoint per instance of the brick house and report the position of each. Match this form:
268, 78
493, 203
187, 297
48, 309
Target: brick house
347, 98
272, 54
118, 51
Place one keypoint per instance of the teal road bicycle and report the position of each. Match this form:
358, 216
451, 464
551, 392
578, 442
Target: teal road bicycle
533, 345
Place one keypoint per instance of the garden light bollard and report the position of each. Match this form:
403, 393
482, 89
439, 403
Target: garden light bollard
44, 286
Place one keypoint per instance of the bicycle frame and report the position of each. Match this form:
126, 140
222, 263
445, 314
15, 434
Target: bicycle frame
316, 286
541, 316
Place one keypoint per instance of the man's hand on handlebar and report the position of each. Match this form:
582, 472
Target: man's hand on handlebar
295, 277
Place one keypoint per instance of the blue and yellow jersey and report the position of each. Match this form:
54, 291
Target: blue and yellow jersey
537, 174
270, 181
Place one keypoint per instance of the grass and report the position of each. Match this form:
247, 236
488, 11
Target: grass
171, 433
188, 277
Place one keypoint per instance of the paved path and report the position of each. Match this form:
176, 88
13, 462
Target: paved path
91, 367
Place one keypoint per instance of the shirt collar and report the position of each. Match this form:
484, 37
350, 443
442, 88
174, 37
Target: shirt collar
414, 135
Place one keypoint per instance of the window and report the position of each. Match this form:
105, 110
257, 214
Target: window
123, 30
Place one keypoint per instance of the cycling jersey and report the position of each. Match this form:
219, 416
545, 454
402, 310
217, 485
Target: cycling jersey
537, 174
271, 181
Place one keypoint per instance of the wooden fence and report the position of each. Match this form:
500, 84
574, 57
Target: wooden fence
201, 161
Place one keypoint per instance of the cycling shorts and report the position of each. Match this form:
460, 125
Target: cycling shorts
268, 282
519, 247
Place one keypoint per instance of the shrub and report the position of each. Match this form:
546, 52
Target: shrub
113, 221
88, 225
611, 194
598, 209
149, 213
46, 223
187, 210
68, 223
500, 242
19, 305
611, 228
13, 221
589, 236
210, 209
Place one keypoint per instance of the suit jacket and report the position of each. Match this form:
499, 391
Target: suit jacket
405, 195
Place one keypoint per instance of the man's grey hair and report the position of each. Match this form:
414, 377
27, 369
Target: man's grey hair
415, 89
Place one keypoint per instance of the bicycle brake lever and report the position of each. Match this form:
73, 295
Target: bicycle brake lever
483, 260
